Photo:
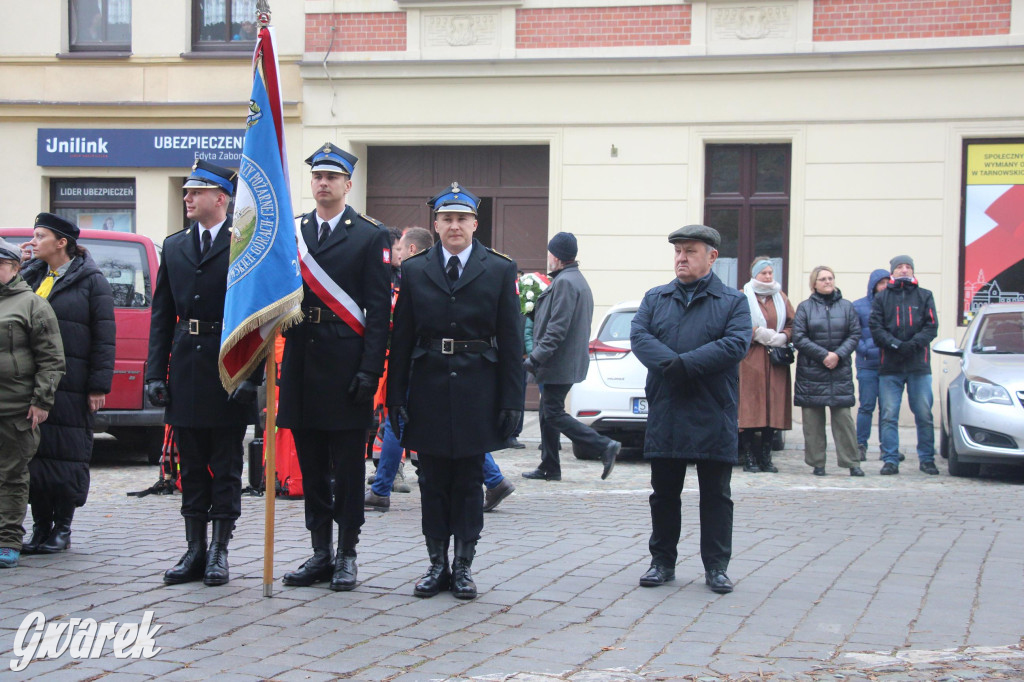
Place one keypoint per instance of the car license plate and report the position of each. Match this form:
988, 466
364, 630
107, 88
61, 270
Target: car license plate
639, 405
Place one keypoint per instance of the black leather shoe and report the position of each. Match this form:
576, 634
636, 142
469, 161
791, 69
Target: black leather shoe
437, 577
345, 571
889, 469
608, 457
515, 444
463, 586
819, 471
541, 475
718, 581
318, 568
657, 575
59, 539
856, 471
217, 556
192, 564
40, 531
929, 468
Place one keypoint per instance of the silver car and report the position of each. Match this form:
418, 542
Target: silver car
611, 400
983, 404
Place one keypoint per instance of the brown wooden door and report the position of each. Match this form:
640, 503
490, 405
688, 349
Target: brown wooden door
746, 198
512, 182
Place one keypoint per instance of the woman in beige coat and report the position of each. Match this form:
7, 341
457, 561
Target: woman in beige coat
765, 389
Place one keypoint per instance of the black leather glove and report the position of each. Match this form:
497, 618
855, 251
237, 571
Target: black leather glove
396, 417
158, 393
529, 366
508, 420
245, 394
907, 349
362, 388
675, 370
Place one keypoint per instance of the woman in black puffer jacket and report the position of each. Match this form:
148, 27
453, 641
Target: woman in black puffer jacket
826, 330
84, 305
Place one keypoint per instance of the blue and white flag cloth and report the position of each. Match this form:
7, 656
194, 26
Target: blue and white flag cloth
264, 281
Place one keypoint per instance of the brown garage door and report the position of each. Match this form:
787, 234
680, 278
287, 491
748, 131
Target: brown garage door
512, 182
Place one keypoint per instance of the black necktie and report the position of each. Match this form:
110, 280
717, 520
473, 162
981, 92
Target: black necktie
453, 269
325, 232
207, 242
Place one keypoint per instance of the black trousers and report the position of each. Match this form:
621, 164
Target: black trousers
452, 496
211, 472
343, 454
713, 479
555, 420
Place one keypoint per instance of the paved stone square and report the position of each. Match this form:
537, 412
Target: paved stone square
888, 578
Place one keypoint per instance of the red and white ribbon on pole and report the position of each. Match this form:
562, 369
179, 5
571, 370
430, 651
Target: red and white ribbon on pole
333, 296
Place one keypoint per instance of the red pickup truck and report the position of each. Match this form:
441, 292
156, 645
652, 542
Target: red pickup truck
129, 262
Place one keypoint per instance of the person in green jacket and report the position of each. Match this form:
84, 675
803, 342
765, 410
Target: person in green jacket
31, 366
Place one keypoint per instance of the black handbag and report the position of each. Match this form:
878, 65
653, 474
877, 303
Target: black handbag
781, 355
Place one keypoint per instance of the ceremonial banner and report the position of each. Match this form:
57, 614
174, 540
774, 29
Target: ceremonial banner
993, 248
264, 283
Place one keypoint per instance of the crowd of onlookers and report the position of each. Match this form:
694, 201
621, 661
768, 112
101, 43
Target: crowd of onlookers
888, 332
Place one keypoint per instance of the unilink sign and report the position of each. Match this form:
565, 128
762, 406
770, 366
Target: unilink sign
141, 148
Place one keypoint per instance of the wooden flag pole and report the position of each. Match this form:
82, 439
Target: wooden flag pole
270, 471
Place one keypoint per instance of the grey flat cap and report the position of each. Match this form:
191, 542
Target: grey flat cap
9, 251
701, 233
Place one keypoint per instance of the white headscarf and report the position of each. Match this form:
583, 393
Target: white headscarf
755, 288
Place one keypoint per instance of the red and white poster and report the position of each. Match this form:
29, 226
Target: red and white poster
993, 225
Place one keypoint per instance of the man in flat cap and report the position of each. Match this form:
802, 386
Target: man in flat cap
561, 334
903, 323
455, 379
182, 375
691, 334
333, 361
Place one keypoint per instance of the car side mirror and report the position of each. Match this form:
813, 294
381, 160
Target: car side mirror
948, 347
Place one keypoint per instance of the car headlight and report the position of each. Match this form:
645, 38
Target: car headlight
981, 391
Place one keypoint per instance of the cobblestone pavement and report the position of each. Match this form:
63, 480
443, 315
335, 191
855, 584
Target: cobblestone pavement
908, 577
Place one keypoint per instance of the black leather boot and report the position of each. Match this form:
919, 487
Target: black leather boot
438, 577
463, 586
764, 457
747, 452
192, 564
345, 570
217, 555
42, 525
318, 568
59, 539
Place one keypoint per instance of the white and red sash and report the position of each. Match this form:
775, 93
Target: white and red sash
333, 296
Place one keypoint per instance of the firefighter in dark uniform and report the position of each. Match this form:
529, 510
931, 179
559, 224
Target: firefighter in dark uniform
333, 361
456, 380
209, 425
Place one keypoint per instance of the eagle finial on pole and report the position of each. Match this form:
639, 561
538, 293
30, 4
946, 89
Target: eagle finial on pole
263, 13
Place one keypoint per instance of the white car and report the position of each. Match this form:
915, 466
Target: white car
612, 399
982, 404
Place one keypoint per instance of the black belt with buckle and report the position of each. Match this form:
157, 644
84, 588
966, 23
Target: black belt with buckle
319, 315
199, 327
452, 346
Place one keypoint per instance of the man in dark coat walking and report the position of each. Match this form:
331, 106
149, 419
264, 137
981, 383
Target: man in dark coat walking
691, 334
333, 361
455, 380
182, 375
559, 359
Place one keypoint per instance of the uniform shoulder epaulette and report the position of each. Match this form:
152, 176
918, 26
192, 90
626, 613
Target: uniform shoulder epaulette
184, 230
499, 253
415, 255
371, 220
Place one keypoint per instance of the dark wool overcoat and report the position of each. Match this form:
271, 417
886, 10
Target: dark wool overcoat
453, 400
693, 417
190, 287
320, 360
84, 305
